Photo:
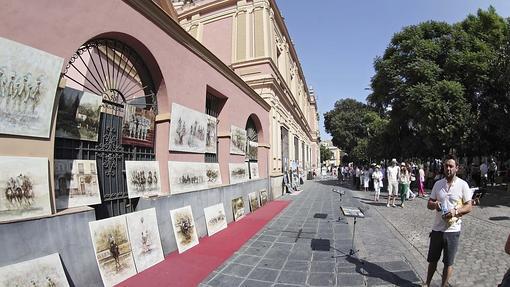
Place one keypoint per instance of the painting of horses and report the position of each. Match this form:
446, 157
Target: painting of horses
28, 83
188, 129
42, 271
78, 115
263, 197
253, 198
186, 176
238, 208
215, 218
24, 188
144, 236
184, 228
237, 140
76, 183
211, 140
254, 170
238, 172
138, 126
112, 248
212, 171
143, 178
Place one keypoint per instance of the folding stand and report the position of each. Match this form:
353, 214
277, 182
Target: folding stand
355, 213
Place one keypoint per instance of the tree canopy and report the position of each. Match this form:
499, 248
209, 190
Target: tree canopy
437, 87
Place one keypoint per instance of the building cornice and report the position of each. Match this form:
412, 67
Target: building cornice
159, 17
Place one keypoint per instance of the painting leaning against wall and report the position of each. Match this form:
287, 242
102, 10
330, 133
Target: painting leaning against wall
188, 130
28, 83
78, 115
76, 183
238, 172
263, 197
211, 135
24, 188
238, 208
42, 271
184, 228
215, 218
143, 178
212, 171
237, 140
138, 126
112, 249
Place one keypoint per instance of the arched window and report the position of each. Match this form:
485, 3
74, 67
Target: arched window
111, 70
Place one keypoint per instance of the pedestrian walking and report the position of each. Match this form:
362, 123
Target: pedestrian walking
506, 278
493, 169
451, 199
421, 181
392, 174
404, 179
484, 169
366, 179
377, 177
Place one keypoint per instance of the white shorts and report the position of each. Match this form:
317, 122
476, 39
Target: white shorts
392, 188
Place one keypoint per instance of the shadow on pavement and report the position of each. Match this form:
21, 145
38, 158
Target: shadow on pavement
332, 182
378, 273
495, 196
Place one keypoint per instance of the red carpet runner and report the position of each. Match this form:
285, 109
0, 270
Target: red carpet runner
194, 265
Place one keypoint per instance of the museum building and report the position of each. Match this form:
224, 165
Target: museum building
116, 123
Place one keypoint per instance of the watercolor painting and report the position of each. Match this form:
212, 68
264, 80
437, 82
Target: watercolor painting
112, 249
254, 170
253, 198
188, 130
28, 83
237, 140
143, 178
78, 115
24, 188
42, 271
263, 197
238, 208
212, 171
76, 183
215, 218
238, 172
138, 126
186, 176
252, 151
144, 236
184, 228
211, 135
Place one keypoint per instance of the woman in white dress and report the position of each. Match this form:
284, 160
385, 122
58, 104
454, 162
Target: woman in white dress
377, 176
366, 178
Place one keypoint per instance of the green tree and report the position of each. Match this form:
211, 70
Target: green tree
326, 154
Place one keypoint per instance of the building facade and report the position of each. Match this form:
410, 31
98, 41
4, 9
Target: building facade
252, 39
336, 154
123, 70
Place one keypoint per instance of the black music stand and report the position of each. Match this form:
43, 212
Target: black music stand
340, 193
353, 212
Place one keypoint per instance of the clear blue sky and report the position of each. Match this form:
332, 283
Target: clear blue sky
337, 40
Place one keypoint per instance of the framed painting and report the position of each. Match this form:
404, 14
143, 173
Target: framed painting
253, 197
78, 115
186, 176
238, 208
252, 151
211, 135
188, 129
144, 236
42, 271
263, 197
143, 178
213, 174
184, 228
215, 218
112, 248
25, 191
138, 126
238, 172
76, 183
28, 81
254, 170
237, 140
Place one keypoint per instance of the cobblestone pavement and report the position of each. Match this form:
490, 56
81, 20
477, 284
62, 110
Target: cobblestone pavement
480, 261
299, 248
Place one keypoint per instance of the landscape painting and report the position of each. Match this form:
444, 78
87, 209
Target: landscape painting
237, 140
78, 115
138, 126
215, 218
263, 197
254, 201
238, 208
252, 151
42, 271
76, 183
24, 188
238, 172
143, 178
186, 176
144, 236
212, 171
112, 249
28, 83
254, 170
211, 135
188, 130
184, 228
